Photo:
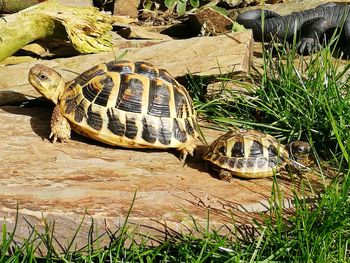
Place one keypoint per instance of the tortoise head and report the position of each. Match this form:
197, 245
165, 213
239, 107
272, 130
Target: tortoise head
300, 150
47, 82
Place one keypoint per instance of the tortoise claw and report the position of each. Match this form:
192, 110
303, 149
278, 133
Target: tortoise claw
183, 156
62, 136
54, 137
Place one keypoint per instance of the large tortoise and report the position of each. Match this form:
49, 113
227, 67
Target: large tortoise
252, 154
133, 105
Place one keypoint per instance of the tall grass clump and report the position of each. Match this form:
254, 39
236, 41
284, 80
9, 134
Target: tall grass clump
296, 98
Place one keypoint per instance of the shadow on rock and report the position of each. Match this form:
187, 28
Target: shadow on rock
196, 161
39, 110
9, 97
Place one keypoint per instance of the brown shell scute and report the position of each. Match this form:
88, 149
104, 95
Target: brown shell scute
145, 68
103, 96
246, 153
87, 76
131, 128
122, 67
130, 95
131, 105
115, 125
159, 98
94, 120
80, 113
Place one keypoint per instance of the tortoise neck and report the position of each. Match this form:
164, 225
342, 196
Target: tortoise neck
57, 95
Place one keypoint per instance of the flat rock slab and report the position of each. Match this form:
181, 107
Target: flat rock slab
75, 2
287, 7
62, 182
202, 56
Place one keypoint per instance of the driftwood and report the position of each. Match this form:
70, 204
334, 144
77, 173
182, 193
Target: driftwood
86, 27
13, 6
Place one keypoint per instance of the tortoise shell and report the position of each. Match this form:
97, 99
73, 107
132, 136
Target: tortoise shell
132, 105
246, 153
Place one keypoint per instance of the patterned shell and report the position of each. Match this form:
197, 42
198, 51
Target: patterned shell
131, 105
246, 153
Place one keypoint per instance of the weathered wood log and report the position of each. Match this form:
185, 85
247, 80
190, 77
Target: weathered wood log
13, 6
86, 27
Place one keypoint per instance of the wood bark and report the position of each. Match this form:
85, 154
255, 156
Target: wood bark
17, 33
13, 6
87, 28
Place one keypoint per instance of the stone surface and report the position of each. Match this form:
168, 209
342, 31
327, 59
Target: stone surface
204, 56
210, 22
126, 7
75, 2
284, 8
297, 5
141, 32
62, 182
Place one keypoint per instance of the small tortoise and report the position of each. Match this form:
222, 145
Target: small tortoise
133, 105
251, 154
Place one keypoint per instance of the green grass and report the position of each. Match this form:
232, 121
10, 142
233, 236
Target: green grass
306, 102
317, 232
311, 104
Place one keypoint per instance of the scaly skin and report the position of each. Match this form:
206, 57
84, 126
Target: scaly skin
310, 25
60, 128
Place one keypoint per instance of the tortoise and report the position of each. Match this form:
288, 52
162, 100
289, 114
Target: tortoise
120, 103
251, 154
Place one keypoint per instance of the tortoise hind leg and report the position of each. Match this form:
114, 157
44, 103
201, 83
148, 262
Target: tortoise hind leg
60, 128
187, 150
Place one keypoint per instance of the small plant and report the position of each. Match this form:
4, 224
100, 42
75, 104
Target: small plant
179, 6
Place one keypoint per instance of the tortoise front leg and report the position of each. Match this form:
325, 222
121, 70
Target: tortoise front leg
60, 128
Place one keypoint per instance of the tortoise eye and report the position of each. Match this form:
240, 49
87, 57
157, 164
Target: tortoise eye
300, 149
42, 77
